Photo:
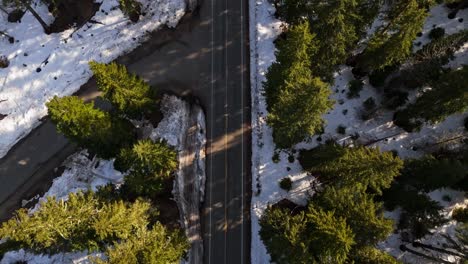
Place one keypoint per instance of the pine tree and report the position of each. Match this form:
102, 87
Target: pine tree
295, 99
448, 96
91, 128
82, 222
371, 255
148, 164
362, 214
370, 167
392, 43
333, 24
128, 93
155, 246
429, 173
313, 236
331, 237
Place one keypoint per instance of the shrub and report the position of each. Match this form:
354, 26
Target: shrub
446, 198
341, 130
4, 62
131, 8
355, 87
369, 104
401, 119
377, 77
436, 33
460, 214
286, 184
276, 157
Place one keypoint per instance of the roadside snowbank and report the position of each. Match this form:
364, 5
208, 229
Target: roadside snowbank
266, 174
42, 66
183, 127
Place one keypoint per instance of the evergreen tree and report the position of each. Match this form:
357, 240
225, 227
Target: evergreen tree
371, 255
82, 222
392, 43
155, 246
128, 93
429, 173
148, 164
368, 166
362, 214
448, 96
313, 236
333, 22
295, 100
91, 128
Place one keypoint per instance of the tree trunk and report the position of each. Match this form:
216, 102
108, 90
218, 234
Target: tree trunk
36, 15
404, 248
431, 247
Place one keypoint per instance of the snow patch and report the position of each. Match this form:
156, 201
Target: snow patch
62, 59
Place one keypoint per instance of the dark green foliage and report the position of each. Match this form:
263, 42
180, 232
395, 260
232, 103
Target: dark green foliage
312, 158
371, 255
338, 26
425, 66
436, 33
465, 123
131, 8
149, 165
286, 184
460, 214
392, 43
90, 128
343, 166
355, 87
429, 173
462, 233
291, 11
341, 130
128, 93
369, 104
276, 157
362, 214
420, 215
311, 236
295, 99
82, 222
333, 23
402, 119
448, 96
377, 77
155, 246
342, 223
419, 212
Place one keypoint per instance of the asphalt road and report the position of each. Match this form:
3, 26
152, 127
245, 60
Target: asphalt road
206, 57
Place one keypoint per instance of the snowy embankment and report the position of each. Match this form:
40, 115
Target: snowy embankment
42, 66
266, 174
183, 127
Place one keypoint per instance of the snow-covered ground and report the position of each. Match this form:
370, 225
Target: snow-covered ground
81, 173
42, 66
266, 174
